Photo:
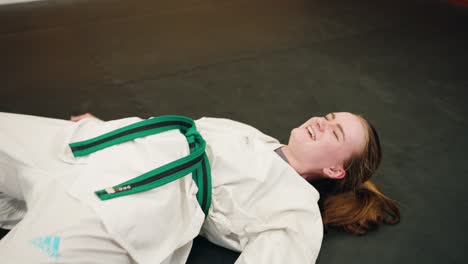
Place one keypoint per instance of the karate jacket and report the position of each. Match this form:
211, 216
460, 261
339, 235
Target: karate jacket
260, 205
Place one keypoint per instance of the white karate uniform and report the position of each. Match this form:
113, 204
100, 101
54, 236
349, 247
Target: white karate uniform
260, 206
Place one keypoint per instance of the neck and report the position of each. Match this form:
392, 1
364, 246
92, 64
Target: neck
310, 174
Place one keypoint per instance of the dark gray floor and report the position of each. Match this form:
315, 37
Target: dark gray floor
272, 64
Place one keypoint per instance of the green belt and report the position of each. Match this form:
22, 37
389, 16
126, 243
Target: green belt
196, 162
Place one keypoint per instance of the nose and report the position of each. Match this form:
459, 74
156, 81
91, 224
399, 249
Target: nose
322, 124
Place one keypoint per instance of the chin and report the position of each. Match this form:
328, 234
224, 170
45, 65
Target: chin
293, 137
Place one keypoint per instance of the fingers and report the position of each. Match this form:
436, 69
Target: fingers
79, 117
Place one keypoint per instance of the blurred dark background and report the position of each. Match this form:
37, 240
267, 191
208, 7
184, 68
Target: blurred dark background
271, 64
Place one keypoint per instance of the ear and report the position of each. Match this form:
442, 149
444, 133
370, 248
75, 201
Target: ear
337, 172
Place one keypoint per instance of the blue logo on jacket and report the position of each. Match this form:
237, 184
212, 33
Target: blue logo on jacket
48, 244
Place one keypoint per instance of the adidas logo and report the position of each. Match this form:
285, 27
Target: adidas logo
48, 244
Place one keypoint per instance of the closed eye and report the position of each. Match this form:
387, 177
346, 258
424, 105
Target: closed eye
334, 131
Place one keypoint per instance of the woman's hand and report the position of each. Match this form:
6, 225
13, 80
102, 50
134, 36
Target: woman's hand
79, 117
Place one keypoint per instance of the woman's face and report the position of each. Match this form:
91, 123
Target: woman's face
325, 142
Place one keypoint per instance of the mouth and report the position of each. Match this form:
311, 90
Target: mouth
311, 132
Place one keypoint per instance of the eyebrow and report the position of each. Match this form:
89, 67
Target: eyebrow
339, 126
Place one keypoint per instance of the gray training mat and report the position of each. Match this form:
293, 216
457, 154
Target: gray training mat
271, 64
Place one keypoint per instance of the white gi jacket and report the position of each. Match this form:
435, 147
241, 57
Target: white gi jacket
260, 205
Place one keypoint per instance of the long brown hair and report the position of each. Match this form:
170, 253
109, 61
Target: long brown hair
354, 203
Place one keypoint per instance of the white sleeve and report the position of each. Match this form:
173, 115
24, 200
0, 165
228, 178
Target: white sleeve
279, 247
11, 211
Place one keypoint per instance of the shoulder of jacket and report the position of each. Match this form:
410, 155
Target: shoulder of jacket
229, 124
